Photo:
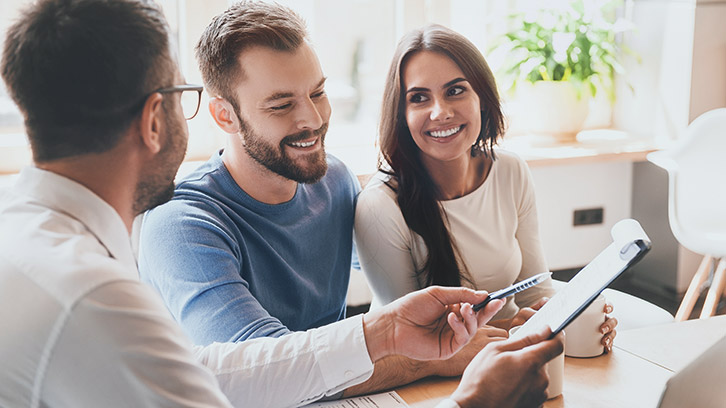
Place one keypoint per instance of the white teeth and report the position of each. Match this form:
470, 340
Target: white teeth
303, 144
445, 133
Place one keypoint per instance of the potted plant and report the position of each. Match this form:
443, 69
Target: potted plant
562, 57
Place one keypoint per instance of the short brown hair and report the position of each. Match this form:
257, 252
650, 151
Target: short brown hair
241, 26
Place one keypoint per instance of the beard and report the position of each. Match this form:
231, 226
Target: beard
308, 169
157, 187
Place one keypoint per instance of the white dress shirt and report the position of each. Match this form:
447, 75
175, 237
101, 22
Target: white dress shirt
78, 329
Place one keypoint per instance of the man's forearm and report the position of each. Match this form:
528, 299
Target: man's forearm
391, 372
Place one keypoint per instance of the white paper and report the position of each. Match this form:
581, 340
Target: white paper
389, 399
587, 283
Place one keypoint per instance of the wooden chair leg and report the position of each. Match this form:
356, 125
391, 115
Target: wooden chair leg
715, 291
693, 292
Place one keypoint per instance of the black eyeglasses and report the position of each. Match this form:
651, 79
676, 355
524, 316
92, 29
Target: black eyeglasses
191, 97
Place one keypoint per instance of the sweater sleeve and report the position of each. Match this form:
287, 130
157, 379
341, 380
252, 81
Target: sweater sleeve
385, 244
188, 254
527, 234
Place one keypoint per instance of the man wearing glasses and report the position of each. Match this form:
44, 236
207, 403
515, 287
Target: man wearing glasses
104, 107
258, 241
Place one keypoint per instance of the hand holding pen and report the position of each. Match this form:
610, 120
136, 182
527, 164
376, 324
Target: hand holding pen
516, 288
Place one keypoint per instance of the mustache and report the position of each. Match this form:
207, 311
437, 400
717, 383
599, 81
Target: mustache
305, 134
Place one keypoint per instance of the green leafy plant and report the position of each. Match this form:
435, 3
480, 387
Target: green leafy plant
577, 44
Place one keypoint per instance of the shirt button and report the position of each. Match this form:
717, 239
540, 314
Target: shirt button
348, 375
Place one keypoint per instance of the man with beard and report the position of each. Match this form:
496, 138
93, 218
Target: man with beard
104, 108
257, 242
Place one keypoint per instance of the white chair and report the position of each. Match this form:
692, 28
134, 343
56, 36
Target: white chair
696, 167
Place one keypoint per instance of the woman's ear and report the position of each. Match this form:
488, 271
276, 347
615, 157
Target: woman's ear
224, 114
151, 123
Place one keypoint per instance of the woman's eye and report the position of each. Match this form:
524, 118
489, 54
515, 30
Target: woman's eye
456, 90
417, 98
317, 95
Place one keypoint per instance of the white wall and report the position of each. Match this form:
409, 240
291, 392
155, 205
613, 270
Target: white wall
562, 189
663, 39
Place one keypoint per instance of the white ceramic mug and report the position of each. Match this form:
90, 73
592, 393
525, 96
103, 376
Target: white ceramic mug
555, 371
584, 338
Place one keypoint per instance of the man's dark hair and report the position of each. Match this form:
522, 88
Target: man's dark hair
244, 25
79, 71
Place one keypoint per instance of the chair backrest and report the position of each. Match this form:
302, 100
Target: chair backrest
696, 167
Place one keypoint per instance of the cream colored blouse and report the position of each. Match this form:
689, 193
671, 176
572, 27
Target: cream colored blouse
495, 228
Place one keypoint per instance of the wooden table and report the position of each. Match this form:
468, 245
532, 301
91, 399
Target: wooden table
632, 375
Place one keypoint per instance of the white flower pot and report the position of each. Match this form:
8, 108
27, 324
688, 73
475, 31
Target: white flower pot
553, 108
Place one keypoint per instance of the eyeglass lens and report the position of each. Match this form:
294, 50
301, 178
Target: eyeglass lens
190, 103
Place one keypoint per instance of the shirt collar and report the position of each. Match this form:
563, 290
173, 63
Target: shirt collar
66, 196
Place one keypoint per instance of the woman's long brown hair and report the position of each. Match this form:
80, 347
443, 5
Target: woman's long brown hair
417, 194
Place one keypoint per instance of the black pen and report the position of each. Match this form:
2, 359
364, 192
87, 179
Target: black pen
516, 288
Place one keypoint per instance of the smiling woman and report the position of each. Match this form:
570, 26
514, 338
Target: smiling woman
446, 207
443, 113
441, 117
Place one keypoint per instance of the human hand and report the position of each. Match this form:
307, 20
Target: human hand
433, 323
455, 365
509, 373
608, 328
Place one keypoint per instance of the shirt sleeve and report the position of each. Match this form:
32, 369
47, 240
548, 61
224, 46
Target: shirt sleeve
527, 234
123, 328
190, 257
385, 245
293, 370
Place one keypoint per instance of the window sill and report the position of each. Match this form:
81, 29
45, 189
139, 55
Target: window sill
590, 147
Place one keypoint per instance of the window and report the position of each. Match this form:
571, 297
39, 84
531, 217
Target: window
354, 40
14, 151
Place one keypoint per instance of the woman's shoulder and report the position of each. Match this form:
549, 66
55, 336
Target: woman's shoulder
509, 157
510, 162
378, 200
378, 188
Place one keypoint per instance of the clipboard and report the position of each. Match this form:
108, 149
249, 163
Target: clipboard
630, 244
